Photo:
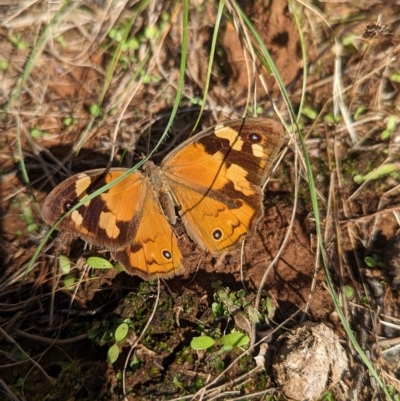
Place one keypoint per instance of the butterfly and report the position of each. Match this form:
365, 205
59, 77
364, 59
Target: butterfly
212, 182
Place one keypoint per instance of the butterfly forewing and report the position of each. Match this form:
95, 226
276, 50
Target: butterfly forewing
154, 250
110, 219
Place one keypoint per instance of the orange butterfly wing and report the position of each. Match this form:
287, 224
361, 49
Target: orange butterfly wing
216, 178
154, 252
125, 218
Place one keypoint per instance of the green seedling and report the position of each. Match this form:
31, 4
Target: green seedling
69, 121
16, 40
61, 41
373, 262
231, 303
119, 267
69, 282
130, 44
135, 362
349, 292
3, 65
328, 396
148, 79
332, 119
360, 111
25, 214
390, 127
377, 173
151, 32
228, 342
113, 353
64, 264
202, 342
349, 40
393, 393
395, 77
116, 34
95, 110
196, 101
259, 110
99, 263
267, 305
309, 112
120, 334
37, 133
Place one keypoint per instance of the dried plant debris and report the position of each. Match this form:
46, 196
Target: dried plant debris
375, 30
392, 259
310, 361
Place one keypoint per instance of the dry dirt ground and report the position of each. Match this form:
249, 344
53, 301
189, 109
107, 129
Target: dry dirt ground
54, 339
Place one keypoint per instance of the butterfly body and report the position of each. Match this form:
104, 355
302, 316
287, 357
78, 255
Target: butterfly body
212, 181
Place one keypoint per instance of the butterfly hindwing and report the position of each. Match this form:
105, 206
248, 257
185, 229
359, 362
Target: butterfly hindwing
154, 251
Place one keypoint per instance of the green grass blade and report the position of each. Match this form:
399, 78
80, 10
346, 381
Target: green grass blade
221, 7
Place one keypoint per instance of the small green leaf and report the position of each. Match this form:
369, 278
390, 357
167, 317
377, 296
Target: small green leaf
99, 263
216, 284
270, 307
391, 123
113, 353
36, 133
386, 134
131, 44
150, 32
331, 119
234, 339
69, 282
328, 396
62, 41
349, 292
64, 264
310, 113
146, 79
349, 39
95, 110
358, 179
32, 227
121, 332
92, 333
370, 261
200, 343
217, 309
119, 267
115, 34
134, 362
395, 78
378, 172
16, 40
360, 110
253, 314
68, 121
20, 382
3, 65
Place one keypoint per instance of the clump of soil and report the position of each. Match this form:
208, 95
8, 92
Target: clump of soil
310, 361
